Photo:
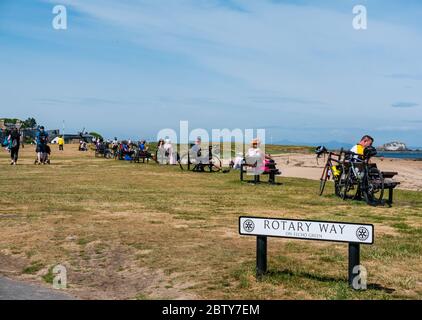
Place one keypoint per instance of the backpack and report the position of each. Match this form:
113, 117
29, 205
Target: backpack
42, 138
369, 152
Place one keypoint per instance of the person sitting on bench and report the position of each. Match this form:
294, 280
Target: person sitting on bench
359, 148
255, 157
256, 162
143, 147
264, 161
83, 146
270, 165
127, 150
237, 161
196, 152
196, 148
197, 156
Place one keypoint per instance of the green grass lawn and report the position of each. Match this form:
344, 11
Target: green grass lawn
146, 231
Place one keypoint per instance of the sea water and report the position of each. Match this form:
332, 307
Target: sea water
401, 154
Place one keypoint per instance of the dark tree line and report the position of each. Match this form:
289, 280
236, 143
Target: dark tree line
28, 123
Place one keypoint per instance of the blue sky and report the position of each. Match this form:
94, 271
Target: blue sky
297, 68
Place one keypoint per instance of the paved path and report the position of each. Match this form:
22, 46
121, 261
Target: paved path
18, 290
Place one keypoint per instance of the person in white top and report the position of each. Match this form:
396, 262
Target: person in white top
196, 149
237, 161
161, 158
196, 153
255, 156
169, 153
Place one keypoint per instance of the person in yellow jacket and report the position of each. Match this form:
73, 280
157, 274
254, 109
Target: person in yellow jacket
359, 149
60, 142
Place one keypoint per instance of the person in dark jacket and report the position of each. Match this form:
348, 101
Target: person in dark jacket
14, 142
41, 139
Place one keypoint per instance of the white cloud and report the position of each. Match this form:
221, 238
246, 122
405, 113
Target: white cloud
271, 46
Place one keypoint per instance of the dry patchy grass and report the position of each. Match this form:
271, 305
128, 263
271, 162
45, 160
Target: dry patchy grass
150, 232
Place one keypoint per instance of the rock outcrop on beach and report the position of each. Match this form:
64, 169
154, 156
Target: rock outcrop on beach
394, 146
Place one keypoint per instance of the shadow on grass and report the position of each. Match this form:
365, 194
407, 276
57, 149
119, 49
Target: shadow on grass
277, 275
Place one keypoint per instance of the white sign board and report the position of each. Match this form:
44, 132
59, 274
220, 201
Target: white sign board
307, 229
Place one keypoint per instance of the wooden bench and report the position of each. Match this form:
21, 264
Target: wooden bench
256, 177
389, 184
144, 155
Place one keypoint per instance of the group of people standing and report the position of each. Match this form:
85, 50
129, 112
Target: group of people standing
166, 153
42, 149
14, 141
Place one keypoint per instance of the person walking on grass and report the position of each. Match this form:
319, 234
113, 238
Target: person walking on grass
41, 140
14, 144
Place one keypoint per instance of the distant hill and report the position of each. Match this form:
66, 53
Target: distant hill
333, 144
415, 148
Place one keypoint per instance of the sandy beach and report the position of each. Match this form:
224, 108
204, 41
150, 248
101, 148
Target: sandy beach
307, 166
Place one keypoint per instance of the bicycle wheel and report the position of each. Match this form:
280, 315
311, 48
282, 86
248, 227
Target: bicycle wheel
323, 180
185, 162
215, 164
336, 187
108, 155
372, 186
344, 184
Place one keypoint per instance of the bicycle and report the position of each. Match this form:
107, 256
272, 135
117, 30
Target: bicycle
361, 178
332, 168
199, 162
